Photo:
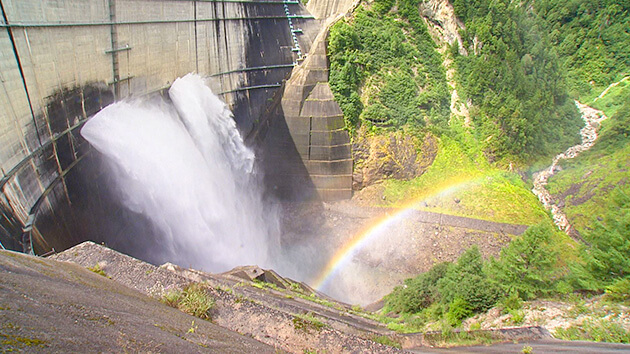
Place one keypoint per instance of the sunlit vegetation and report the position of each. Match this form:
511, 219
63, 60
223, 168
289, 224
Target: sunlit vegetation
525, 63
592, 39
514, 77
384, 69
193, 300
462, 182
531, 266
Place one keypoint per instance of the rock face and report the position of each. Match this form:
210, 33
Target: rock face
442, 23
393, 155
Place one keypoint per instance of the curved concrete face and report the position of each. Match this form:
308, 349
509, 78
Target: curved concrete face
64, 60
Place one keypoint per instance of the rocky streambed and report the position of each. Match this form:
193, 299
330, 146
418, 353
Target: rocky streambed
592, 120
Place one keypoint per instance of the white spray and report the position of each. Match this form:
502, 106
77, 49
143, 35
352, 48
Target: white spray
185, 167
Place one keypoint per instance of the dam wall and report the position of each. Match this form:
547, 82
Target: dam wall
64, 60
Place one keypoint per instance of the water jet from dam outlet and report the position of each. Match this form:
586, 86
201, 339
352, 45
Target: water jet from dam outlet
183, 165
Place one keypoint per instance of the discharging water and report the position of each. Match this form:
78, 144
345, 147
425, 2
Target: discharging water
184, 166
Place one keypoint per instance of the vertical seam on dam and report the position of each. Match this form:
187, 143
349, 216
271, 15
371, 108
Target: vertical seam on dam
114, 41
19, 64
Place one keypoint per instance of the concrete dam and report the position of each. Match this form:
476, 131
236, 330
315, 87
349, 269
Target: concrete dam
65, 60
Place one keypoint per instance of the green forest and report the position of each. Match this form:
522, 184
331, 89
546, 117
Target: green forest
394, 64
522, 65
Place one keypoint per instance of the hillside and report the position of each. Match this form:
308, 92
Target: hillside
513, 71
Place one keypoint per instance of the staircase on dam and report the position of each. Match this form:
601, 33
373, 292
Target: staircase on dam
63, 61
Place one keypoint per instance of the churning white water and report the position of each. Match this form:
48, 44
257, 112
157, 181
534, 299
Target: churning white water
184, 166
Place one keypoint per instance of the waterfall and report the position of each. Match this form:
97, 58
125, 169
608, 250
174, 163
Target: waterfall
184, 166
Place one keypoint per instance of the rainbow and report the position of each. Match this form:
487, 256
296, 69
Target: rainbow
345, 254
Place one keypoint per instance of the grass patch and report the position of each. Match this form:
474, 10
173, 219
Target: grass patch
449, 338
193, 300
318, 300
597, 331
307, 322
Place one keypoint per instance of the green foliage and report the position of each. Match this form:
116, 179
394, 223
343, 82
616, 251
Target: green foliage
193, 300
591, 38
458, 310
598, 331
417, 293
466, 280
450, 291
526, 265
394, 61
619, 291
606, 259
513, 75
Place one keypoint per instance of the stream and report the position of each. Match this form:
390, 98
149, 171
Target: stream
592, 119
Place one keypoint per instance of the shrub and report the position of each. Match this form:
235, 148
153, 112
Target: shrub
512, 302
466, 280
417, 293
193, 300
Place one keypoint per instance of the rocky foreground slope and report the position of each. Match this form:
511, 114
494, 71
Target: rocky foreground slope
56, 304
62, 307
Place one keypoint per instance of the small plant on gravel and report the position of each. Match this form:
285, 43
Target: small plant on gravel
193, 327
98, 270
193, 300
357, 308
527, 349
296, 287
475, 326
517, 317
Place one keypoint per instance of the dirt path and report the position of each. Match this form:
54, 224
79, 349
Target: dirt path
592, 119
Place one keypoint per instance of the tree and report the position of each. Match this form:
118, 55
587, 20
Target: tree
526, 265
467, 281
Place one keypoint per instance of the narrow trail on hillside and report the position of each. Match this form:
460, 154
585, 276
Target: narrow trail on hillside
592, 119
